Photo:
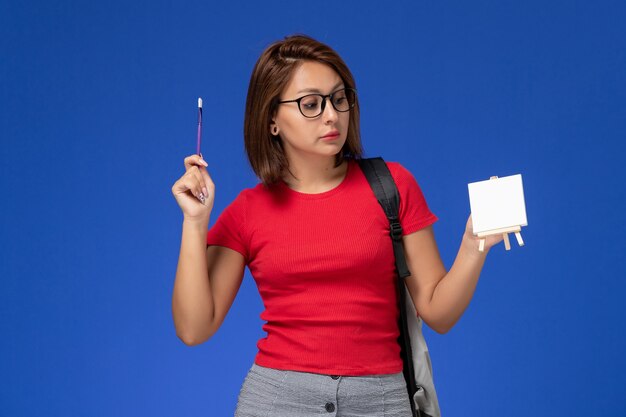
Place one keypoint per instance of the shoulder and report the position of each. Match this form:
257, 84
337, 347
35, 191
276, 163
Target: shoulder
414, 211
399, 172
237, 206
257, 190
241, 198
396, 167
406, 182
256, 196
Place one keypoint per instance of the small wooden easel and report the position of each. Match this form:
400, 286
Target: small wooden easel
505, 234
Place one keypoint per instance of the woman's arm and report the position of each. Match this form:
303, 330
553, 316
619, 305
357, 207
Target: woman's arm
207, 281
441, 297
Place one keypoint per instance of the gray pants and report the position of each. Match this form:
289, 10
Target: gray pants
268, 392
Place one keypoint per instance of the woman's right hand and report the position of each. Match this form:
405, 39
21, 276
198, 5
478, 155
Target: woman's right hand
195, 191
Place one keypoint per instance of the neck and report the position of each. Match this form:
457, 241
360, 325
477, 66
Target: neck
314, 175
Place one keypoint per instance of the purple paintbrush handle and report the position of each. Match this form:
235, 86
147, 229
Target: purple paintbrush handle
199, 130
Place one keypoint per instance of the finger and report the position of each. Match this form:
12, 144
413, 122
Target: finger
189, 182
201, 187
183, 186
194, 160
208, 183
196, 181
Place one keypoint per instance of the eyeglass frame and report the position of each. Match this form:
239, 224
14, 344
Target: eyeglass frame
330, 96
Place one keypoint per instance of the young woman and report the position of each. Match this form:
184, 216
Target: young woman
317, 244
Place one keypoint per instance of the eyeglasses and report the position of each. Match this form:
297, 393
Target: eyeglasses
312, 105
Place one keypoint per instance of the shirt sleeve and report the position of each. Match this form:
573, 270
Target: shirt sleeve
414, 212
228, 230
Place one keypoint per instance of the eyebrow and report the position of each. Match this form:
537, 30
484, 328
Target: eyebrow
315, 90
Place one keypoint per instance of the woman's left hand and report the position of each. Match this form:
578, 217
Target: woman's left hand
474, 241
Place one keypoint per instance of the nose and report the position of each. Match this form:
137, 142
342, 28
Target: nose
329, 114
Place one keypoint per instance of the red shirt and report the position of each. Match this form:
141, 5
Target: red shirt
325, 270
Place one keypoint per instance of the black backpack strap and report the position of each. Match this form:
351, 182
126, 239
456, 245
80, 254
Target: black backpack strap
384, 187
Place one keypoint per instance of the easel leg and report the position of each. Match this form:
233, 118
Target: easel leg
520, 242
481, 245
507, 243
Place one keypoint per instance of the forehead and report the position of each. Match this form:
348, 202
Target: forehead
313, 77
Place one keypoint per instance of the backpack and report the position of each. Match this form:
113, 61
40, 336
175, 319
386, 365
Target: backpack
417, 367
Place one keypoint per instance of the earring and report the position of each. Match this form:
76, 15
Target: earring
275, 130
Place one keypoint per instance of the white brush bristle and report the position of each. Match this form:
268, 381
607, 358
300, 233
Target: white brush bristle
199, 102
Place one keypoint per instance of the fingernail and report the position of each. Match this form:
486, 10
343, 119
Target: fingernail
205, 192
203, 162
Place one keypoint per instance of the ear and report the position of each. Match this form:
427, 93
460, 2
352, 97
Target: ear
274, 128
273, 119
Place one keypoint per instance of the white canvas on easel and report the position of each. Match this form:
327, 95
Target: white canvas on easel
498, 207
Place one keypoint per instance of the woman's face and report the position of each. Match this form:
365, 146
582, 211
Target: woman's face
303, 136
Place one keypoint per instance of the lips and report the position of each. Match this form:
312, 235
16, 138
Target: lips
331, 134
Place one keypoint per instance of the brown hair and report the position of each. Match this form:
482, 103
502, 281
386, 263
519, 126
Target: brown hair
271, 73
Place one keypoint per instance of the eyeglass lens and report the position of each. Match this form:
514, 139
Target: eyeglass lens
341, 100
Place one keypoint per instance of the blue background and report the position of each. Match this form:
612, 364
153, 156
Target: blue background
98, 111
